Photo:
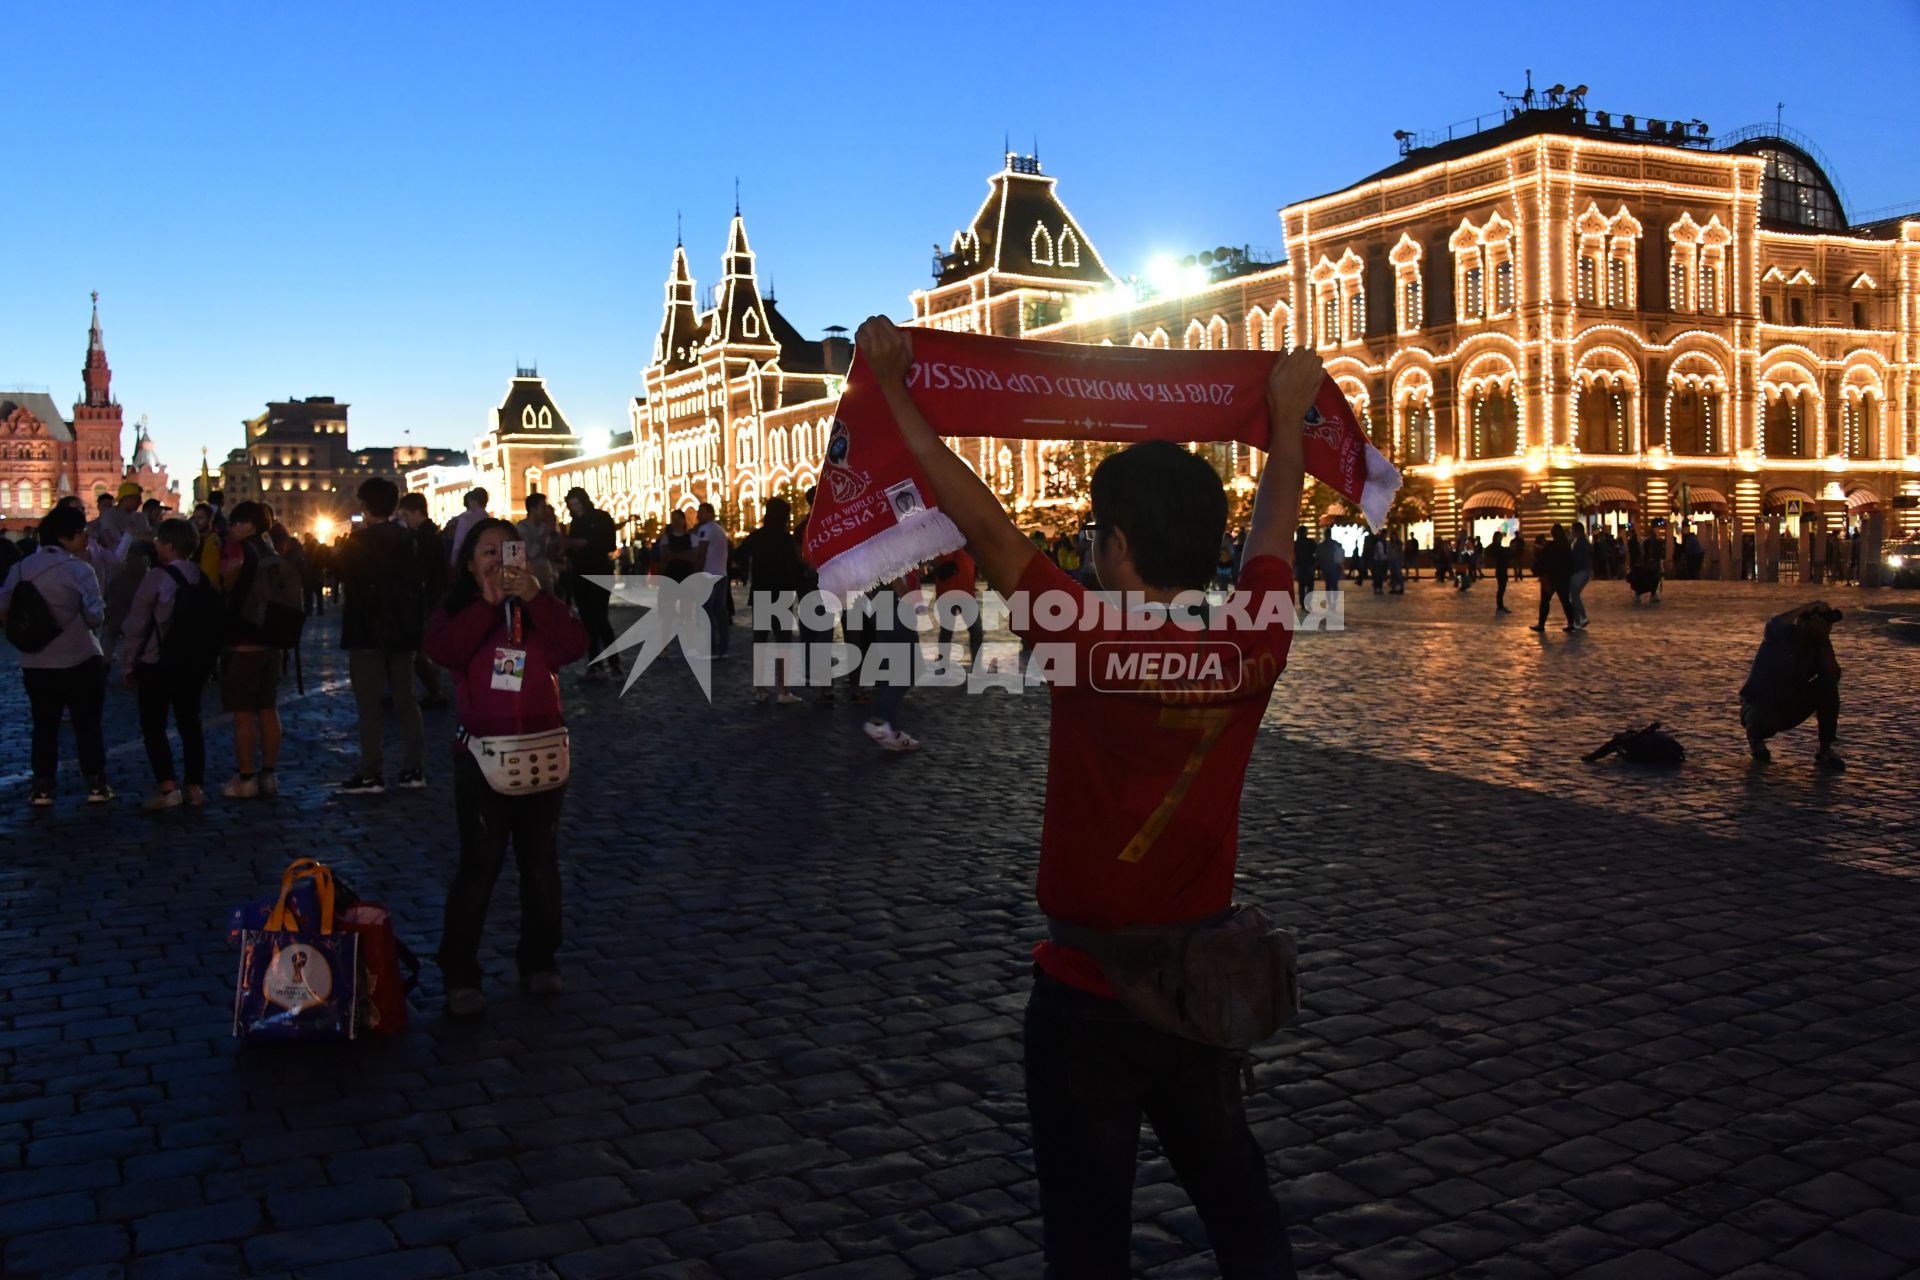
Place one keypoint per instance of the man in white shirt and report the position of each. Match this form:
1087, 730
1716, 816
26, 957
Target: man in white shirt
711, 544
476, 511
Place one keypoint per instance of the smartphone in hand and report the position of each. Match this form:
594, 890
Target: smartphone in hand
513, 555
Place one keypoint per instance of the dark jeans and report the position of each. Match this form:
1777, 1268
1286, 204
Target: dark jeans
1093, 1070
1548, 590
1499, 588
592, 602
376, 674
51, 693
719, 615
487, 821
1819, 698
950, 612
157, 691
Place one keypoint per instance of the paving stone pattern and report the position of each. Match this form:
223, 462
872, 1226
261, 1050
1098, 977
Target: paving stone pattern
1563, 1020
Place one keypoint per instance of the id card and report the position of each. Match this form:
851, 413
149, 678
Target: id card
509, 669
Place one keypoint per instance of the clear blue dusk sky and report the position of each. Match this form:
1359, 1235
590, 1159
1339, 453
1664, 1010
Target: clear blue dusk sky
392, 204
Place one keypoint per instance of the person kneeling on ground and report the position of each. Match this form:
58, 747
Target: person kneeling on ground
1795, 675
1142, 820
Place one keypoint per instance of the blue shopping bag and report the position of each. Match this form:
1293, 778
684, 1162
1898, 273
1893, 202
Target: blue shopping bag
299, 977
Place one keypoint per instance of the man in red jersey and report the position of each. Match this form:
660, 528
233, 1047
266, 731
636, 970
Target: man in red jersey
1153, 724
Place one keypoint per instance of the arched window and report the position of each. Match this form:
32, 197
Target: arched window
546, 418
1785, 434
1259, 331
1616, 282
1069, 255
1329, 317
26, 495
46, 495
1356, 314
1196, 337
527, 420
1418, 445
1475, 293
1600, 416
1160, 339
1003, 469
1042, 246
1503, 288
1495, 424
1141, 340
1586, 288
1412, 315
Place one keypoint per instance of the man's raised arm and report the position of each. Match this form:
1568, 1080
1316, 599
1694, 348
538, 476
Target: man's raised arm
1291, 388
996, 544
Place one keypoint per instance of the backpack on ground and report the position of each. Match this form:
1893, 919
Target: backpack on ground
1647, 746
31, 625
191, 642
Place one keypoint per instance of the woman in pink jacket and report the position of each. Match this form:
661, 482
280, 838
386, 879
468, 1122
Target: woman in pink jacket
505, 640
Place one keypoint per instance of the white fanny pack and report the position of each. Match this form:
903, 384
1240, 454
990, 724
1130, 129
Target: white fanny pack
521, 764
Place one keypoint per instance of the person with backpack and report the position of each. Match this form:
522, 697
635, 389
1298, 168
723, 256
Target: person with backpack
380, 628
51, 606
257, 582
173, 629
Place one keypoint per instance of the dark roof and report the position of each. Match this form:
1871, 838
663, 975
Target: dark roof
798, 354
524, 395
41, 406
1569, 121
1796, 192
1020, 230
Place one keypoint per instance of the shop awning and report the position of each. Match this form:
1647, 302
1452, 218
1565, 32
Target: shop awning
1781, 497
1862, 499
1488, 500
1699, 495
1607, 497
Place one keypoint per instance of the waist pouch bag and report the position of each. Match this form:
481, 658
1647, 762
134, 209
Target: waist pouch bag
298, 980
1229, 980
521, 764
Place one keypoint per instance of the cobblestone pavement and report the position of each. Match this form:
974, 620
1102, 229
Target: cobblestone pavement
1562, 1019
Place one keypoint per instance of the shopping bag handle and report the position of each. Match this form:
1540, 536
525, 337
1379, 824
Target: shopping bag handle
323, 888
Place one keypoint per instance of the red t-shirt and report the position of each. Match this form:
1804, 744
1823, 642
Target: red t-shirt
1149, 748
960, 582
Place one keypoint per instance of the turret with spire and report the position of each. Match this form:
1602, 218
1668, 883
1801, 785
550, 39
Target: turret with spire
95, 376
740, 318
679, 342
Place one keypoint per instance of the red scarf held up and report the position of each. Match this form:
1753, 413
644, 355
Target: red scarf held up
875, 516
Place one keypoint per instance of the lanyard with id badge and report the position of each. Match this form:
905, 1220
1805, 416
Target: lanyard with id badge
510, 659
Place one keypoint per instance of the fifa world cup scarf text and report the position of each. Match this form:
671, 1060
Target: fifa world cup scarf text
875, 516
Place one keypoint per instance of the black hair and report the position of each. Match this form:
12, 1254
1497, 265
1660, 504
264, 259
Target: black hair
779, 514
257, 514
180, 535
60, 524
217, 496
465, 588
414, 502
535, 498
380, 496
578, 492
472, 494
1172, 506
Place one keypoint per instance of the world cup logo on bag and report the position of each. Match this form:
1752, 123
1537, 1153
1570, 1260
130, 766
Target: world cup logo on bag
298, 978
